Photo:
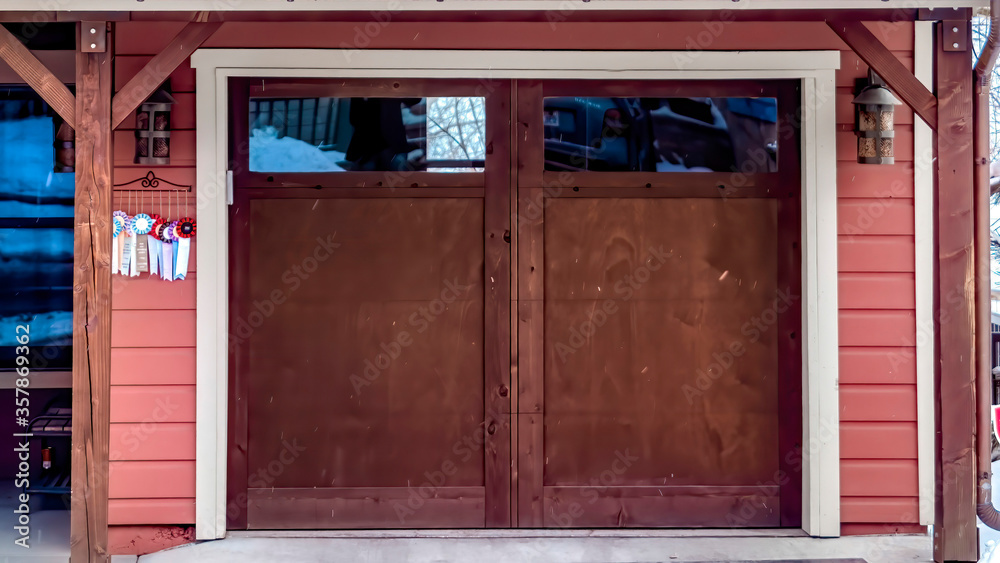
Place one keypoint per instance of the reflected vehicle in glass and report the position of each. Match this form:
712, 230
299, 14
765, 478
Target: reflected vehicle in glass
445, 134
660, 134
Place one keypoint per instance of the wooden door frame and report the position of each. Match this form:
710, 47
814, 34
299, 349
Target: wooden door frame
815, 69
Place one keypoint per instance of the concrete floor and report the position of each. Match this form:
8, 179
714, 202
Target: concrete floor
529, 546
49, 537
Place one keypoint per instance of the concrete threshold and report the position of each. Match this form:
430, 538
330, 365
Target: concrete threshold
547, 546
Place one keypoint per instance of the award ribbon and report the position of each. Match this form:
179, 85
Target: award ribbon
141, 225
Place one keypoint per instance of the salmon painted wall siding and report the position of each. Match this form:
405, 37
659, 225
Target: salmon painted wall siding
153, 482
152, 476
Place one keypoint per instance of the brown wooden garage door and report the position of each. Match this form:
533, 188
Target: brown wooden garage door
527, 341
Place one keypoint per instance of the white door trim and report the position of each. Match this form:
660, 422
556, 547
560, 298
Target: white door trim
815, 69
923, 242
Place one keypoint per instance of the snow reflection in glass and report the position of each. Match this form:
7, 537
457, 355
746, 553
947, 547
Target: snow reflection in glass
446, 134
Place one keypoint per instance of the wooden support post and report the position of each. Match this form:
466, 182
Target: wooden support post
955, 533
901, 81
92, 308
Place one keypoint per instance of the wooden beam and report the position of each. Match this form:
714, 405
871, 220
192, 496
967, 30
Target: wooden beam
36, 75
955, 534
92, 308
900, 80
159, 68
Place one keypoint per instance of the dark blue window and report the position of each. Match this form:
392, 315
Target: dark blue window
36, 233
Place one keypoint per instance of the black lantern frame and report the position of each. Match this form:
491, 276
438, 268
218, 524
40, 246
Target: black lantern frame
152, 129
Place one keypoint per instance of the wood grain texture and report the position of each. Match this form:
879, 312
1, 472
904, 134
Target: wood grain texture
91, 307
955, 507
901, 80
663, 506
371, 507
40, 78
61, 63
159, 68
496, 316
628, 385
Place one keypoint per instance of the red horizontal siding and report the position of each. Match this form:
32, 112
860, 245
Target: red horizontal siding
181, 114
152, 293
880, 290
878, 365
152, 441
875, 253
885, 216
896, 403
152, 403
902, 510
877, 328
852, 67
151, 479
151, 511
878, 440
856, 180
182, 148
881, 529
157, 366
878, 477
182, 79
152, 328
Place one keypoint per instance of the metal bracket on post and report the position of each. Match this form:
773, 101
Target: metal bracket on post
93, 37
954, 36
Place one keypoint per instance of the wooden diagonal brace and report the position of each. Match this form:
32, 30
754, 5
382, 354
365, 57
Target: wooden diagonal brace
159, 68
901, 81
40, 78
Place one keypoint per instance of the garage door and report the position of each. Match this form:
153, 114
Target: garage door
514, 304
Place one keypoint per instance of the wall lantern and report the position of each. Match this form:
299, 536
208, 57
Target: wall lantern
873, 109
152, 129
